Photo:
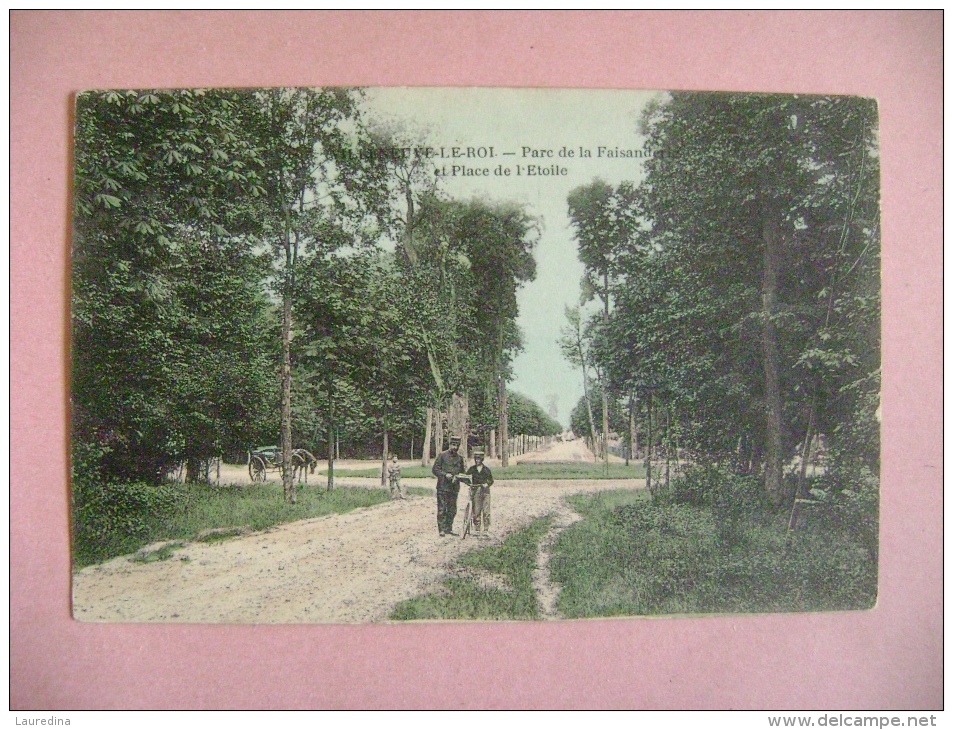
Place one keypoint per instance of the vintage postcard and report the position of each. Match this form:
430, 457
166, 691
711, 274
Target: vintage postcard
353, 355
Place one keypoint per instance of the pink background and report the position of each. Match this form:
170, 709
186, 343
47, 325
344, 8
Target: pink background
887, 658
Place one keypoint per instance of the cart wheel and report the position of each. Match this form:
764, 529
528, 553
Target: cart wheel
256, 469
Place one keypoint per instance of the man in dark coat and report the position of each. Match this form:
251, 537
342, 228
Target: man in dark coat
448, 467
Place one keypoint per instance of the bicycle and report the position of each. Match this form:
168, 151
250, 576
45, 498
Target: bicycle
468, 510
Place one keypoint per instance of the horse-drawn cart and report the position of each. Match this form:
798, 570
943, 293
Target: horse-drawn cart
269, 458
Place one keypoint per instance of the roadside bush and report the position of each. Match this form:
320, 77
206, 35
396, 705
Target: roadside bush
851, 504
713, 485
711, 543
112, 518
86, 458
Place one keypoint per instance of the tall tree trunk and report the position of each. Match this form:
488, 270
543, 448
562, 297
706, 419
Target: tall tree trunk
291, 255
648, 446
408, 238
675, 446
410, 250
504, 425
633, 435
195, 470
502, 418
489, 434
603, 378
627, 449
438, 427
668, 444
287, 477
772, 384
384, 459
331, 434
458, 418
757, 456
428, 439
592, 421
806, 447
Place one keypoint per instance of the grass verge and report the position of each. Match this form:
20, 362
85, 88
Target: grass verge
493, 583
630, 557
583, 470
102, 532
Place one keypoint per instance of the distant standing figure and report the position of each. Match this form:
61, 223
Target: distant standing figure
393, 478
447, 467
481, 480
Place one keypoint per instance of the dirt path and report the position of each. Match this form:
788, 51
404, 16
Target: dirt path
563, 452
546, 591
349, 568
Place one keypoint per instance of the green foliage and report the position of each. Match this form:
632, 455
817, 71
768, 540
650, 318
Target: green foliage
527, 418
579, 418
148, 160
112, 519
169, 355
576, 344
710, 548
711, 485
323, 195
199, 212
850, 499
465, 596
463, 265
688, 322
388, 338
603, 221
324, 188
498, 242
354, 320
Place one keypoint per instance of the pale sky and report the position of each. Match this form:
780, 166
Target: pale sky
542, 119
